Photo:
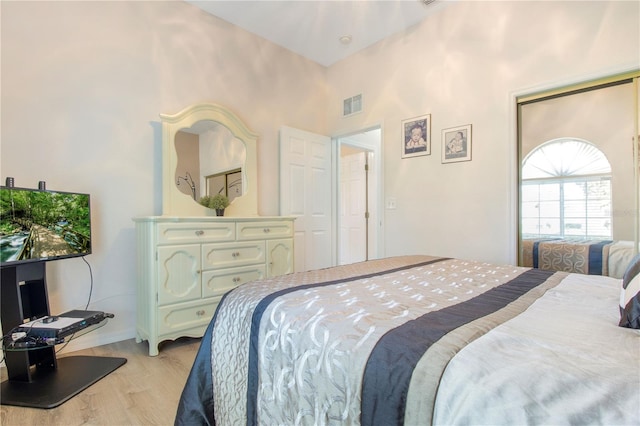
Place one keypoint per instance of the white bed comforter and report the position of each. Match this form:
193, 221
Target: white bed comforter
521, 372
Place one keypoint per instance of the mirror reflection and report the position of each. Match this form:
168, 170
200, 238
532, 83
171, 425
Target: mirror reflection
210, 161
227, 183
577, 180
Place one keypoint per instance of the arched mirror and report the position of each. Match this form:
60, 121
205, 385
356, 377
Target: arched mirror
208, 150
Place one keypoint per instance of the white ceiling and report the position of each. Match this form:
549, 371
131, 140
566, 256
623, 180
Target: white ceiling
313, 28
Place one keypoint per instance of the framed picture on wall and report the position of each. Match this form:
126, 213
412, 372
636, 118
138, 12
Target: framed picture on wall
416, 136
456, 144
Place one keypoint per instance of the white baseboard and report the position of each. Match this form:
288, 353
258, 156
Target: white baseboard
91, 340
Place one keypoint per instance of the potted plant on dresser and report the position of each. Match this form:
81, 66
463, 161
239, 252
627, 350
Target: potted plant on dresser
218, 202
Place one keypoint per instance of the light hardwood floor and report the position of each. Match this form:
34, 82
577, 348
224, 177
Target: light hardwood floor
144, 391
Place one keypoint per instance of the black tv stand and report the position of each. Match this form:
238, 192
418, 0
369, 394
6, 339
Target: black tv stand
36, 378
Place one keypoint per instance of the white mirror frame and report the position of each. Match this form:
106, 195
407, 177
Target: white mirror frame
176, 203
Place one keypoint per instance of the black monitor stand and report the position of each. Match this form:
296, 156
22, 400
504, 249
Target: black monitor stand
36, 378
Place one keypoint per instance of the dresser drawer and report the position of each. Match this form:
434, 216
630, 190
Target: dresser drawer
229, 255
176, 233
264, 230
184, 316
218, 282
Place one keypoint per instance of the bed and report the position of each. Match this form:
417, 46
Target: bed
420, 340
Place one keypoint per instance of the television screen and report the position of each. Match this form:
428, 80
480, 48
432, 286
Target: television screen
40, 225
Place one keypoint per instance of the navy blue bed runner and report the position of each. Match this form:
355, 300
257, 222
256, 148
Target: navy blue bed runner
596, 257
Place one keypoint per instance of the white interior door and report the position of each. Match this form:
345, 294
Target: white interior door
306, 182
360, 193
353, 207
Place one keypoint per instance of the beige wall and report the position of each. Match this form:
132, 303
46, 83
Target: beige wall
83, 83
82, 87
465, 65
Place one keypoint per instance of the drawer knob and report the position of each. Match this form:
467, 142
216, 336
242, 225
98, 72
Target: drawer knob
200, 313
266, 230
235, 254
199, 232
236, 279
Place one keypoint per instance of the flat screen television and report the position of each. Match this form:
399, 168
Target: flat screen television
38, 225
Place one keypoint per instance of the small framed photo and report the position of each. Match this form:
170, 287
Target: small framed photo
456, 144
416, 136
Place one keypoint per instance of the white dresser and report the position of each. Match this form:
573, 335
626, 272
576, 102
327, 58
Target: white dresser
186, 265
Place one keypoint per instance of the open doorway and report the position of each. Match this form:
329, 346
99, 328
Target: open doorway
358, 207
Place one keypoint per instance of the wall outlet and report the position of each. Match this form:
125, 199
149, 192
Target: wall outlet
391, 203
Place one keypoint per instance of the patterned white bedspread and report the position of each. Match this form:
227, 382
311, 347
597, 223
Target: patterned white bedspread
564, 361
368, 343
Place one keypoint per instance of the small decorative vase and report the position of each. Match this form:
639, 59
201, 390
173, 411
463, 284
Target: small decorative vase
219, 212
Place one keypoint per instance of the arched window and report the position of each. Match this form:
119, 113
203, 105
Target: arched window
566, 191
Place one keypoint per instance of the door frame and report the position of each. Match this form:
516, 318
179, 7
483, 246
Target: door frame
377, 151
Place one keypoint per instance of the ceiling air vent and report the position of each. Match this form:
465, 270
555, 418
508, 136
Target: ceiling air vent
352, 105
